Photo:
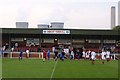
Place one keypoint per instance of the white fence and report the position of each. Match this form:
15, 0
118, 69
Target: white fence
10, 54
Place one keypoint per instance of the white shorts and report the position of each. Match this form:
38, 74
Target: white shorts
27, 54
93, 57
87, 56
103, 57
42, 55
107, 56
83, 56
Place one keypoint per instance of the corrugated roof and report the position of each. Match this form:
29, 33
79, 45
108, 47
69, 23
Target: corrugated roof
72, 31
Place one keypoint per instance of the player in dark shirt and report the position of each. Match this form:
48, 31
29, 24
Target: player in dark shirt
63, 55
20, 55
56, 54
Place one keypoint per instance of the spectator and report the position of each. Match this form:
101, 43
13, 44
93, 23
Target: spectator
7, 46
16, 45
12, 49
4, 47
39, 50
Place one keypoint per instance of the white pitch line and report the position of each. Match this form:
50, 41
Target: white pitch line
53, 70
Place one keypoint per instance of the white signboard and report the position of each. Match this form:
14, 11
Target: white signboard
64, 41
94, 41
109, 41
32, 41
48, 40
56, 31
17, 39
78, 41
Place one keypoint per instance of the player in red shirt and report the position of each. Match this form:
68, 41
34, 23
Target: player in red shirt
44, 55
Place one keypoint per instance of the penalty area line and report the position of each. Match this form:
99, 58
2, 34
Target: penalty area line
53, 70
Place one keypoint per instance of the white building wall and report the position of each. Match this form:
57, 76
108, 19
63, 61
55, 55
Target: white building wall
21, 24
59, 25
113, 14
43, 26
119, 13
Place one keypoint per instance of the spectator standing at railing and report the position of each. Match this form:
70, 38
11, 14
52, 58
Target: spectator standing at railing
39, 50
16, 45
12, 49
4, 47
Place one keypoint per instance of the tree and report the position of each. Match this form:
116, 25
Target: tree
116, 28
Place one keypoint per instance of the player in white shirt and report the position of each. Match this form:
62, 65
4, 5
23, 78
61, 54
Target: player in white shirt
87, 55
103, 54
99, 56
84, 55
93, 56
108, 56
27, 53
72, 55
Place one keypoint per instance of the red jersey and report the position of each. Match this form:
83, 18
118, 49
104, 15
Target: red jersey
44, 54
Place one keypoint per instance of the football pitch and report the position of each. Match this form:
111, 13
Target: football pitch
36, 68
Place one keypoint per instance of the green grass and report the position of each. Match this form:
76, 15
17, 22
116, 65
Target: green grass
35, 68
0, 68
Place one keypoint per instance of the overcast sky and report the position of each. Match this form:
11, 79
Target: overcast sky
78, 14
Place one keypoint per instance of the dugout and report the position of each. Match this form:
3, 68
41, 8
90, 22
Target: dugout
34, 38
